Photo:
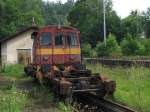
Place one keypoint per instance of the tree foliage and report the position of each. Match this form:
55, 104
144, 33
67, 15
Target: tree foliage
134, 24
146, 43
147, 23
18, 14
88, 51
131, 46
110, 49
87, 15
56, 13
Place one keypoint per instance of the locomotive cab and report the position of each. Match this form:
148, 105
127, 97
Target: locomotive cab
56, 46
57, 57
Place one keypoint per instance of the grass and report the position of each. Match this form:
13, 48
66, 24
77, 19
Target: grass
133, 89
12, 100
42, 96
133, 85
16, 71
65, 108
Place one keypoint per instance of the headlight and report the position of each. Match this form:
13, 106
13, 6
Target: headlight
45, 58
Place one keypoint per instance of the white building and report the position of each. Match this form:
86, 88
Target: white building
17, 48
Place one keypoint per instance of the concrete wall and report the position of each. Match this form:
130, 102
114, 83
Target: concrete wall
9, 47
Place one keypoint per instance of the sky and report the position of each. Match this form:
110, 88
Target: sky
124, 7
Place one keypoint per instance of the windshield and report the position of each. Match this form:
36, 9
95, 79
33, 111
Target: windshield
46, 39
72, 39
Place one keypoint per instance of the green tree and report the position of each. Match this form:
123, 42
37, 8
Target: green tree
17, 14
87, 16
134, 24
57, 12
110, 49
147, 23
88, 51
146, 43
132, 46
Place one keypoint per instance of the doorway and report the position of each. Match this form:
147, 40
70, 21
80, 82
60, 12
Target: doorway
24, 56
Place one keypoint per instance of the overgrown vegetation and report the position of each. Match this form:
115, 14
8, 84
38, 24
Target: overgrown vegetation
128, 47
133, 85
12, 70
110, 49
12, 100
15, 98
131, 46
65, 108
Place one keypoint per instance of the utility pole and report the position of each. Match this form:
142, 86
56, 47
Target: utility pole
104, 12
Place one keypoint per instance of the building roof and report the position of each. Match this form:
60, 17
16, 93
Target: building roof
18, 33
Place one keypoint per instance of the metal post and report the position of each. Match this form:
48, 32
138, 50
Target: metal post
33, 21
104, 12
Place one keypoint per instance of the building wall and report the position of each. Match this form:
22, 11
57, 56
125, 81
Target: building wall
3, 53
10, 47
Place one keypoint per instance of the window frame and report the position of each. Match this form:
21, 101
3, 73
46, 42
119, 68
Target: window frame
51, 39
63, 39
76, 39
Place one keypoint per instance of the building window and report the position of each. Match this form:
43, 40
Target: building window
59, 39
46, 39
72, 39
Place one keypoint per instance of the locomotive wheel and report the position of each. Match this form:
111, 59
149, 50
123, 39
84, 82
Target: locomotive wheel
58, 97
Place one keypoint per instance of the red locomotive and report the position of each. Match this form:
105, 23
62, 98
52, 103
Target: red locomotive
57, 58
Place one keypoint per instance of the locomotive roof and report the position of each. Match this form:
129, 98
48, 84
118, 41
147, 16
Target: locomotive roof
61, 27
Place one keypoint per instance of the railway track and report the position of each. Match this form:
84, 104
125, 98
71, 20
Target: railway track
118, 62
101, 105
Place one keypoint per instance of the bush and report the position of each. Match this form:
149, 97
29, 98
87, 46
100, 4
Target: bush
132, 46
146, 43
110, 49
12, 70
88, 51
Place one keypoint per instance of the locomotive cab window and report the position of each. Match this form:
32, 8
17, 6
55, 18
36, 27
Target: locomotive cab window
72, 39
59, 39
46, 39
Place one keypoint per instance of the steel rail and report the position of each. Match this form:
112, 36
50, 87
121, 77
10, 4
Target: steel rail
102, 104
